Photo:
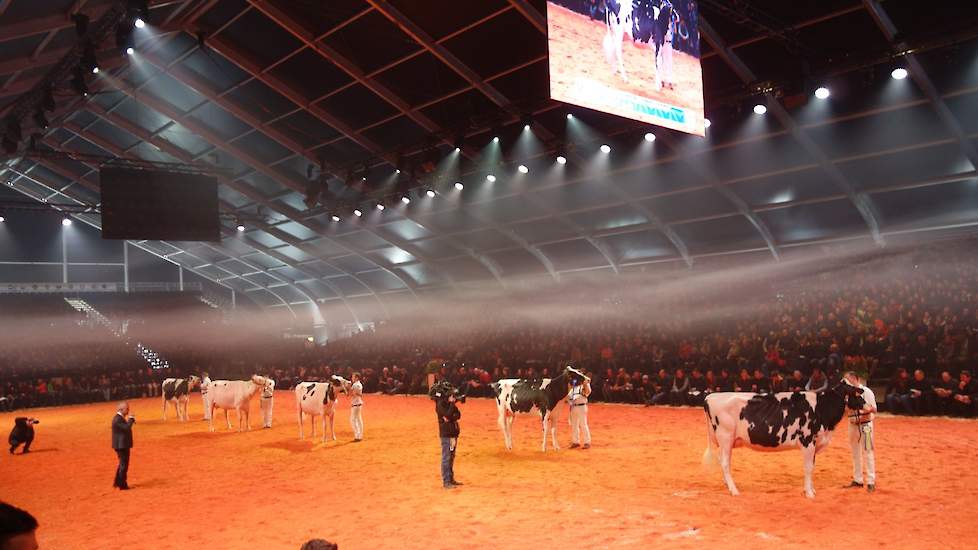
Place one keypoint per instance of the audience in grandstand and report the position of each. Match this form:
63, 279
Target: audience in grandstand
925, 323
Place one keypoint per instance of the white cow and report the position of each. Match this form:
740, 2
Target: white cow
235, 394
177, 391
522, 395
774, 422
319, 399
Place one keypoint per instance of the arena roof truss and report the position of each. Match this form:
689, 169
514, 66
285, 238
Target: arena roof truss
265, 89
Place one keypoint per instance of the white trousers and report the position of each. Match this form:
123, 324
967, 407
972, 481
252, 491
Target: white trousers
663, 64
579, 427
356, 421
266, 411
861, 442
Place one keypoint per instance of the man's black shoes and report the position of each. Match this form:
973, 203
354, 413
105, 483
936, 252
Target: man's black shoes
853, 485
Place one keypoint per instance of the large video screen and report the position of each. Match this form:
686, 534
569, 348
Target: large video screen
639, 59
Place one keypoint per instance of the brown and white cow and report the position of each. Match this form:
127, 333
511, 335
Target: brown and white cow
177, 391
235, 394
319, 399
774, 422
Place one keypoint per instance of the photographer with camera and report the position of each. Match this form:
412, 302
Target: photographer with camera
22, 434
862, 411
446, 396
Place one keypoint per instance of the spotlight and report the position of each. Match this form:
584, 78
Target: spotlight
397, 170
40, 120
569, 116
2, 219
459, 186
760, 109
357, 213
606, 148
706, 122
526, 121
899, 73
495, 139
335, 218
649, 137
380, 206
430, 193
523, 169
491, 178
457, 149
405, 199
526, 126
130, 50
95, 70
140, 23
822, 92
561, 159
241, 228
66, 221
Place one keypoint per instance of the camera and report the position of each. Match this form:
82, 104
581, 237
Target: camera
445, 389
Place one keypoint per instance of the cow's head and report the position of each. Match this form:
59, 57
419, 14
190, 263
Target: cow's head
341, 383
853, 395
263, 382
575, 374
193, 381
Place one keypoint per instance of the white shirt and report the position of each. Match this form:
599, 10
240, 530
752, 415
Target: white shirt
356, 394
576, 395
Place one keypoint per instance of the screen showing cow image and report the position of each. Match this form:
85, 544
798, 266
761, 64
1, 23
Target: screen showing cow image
639, 59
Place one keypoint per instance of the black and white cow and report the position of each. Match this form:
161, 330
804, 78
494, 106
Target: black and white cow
319, 399
646, 21
522, 395
774, 422
178, 391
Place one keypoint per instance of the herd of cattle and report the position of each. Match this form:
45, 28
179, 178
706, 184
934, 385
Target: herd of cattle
769, 422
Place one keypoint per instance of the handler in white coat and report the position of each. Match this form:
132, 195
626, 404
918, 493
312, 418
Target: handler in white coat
356, 407
266, 401
577, 398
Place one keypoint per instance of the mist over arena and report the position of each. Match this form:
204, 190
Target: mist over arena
488, 274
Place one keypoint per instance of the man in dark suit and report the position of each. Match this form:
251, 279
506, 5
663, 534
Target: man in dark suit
22, 434
122, 442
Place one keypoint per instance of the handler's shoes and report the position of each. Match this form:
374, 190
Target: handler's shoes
457, 483
574, 445
586, 446
450, 485
853, 484
871, 488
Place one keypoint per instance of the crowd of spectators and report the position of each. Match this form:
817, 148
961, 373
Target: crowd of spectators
912, 328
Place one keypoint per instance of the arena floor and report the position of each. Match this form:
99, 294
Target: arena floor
642, 484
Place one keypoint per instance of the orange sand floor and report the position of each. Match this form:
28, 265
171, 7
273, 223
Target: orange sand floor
641, 484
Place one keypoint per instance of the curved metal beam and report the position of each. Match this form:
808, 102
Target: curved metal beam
860, 200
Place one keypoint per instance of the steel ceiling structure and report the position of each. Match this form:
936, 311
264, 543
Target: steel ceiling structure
265, 88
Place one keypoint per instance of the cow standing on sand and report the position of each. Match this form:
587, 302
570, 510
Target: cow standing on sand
774, 422
177, 390
319, 399
235, 394
521, 395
